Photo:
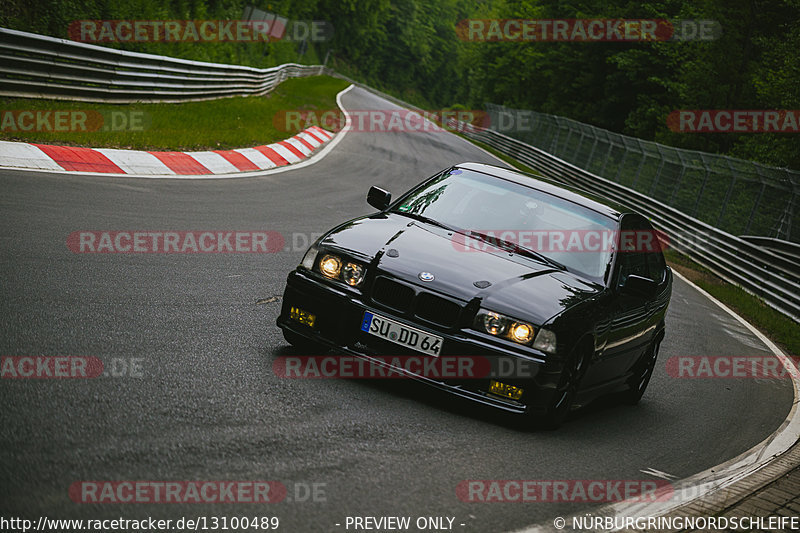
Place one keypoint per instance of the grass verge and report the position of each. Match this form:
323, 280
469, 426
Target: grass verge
778, 327
212, 125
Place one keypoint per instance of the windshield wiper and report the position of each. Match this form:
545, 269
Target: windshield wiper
497, 241
512, 247
428, 220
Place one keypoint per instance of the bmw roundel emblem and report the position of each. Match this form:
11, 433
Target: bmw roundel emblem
426, 276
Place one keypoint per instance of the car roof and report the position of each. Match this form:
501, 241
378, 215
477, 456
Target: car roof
529, 181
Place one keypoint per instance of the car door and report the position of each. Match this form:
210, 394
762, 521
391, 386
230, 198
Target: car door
631, 329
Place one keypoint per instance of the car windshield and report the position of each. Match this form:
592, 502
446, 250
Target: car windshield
491, 213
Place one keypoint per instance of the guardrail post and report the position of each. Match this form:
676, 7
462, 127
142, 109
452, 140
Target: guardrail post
786, 220
608, 155
591, 154
727, 195
554, 143
621, 165
755, 207
569, 134
658, 172
702, 189
641, 165
679, 181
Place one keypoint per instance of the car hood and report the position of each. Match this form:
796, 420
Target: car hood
404, 248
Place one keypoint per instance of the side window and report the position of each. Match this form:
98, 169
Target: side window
656, 266
632, 263
639, 253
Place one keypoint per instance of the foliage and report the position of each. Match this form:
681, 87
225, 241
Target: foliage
411, 49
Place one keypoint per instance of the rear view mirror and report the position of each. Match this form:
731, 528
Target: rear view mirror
639, 285
378, 198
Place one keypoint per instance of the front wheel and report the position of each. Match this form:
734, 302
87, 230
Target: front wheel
642, 373
568, 386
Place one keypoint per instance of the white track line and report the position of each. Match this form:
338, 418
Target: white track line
718, 477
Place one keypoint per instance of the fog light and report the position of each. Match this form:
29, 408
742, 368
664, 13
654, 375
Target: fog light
330, 266
304, 317
521, 333
505, 390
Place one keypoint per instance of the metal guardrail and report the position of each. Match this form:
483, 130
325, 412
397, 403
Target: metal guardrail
46, 67
38, 66
739, 196
789, 250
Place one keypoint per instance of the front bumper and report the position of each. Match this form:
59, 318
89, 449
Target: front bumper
339, 312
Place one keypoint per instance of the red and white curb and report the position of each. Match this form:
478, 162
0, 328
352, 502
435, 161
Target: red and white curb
163, 164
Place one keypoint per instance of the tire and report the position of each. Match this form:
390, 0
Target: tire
303, 344
567, 389
642, 373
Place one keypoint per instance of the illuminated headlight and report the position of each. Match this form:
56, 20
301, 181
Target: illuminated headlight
330, 266
521, 333
504, 327
545, 341
338, 269
353, 274
310, 258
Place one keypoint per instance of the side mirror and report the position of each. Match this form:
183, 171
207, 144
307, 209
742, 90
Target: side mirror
378, 198
639, 285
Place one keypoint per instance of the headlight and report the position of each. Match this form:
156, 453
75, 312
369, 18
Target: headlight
494, 323
545, 341
521, 333
339, 269
353, 274
504, 327
330, 266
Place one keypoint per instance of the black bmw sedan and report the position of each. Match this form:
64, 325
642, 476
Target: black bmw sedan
551, 297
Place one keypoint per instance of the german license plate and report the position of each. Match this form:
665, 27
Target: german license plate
401, 334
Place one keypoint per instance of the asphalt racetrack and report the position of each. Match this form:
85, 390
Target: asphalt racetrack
189, 343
